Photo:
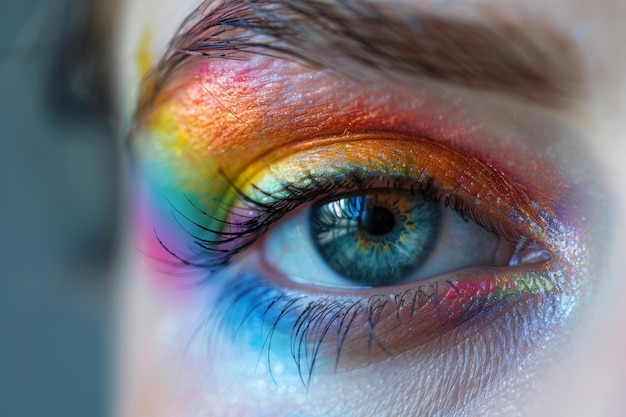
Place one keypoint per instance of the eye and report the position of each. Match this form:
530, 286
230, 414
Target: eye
378, 237
349, 251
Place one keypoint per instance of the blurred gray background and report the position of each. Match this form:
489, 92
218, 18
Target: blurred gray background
58, 212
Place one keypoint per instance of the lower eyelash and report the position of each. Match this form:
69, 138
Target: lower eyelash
264, 316
249, 305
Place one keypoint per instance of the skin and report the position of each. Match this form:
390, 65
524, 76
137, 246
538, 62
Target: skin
580, 371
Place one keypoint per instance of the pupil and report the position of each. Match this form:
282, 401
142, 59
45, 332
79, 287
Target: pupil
377, 221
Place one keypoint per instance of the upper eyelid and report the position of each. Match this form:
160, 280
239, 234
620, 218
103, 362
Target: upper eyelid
249, 196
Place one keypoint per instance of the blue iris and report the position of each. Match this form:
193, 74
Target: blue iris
375, 238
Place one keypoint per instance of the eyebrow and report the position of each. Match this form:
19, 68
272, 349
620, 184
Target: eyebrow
391, 42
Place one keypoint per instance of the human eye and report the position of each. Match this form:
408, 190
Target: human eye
373, 229
330, 280
336, 226
241, 225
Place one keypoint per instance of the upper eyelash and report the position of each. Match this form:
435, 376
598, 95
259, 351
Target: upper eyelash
252, 228
209, 254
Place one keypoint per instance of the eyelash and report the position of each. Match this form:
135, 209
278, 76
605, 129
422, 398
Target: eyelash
247, 294
313, 322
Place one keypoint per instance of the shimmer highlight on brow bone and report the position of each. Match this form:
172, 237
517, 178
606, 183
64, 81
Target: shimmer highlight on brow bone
381, 41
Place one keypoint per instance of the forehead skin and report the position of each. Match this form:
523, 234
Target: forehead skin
594, 383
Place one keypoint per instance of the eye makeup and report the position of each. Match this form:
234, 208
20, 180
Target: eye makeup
238, 113
228, 151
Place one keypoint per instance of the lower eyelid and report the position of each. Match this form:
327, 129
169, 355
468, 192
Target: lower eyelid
352, 328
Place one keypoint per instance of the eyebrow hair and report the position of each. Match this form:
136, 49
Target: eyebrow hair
381, 41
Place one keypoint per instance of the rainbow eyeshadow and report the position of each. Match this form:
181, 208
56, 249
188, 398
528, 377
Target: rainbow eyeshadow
223, 147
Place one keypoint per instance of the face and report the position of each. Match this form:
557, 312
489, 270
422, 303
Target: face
383, 208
